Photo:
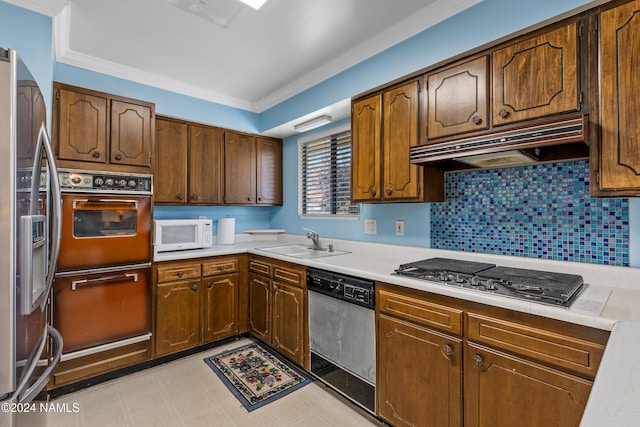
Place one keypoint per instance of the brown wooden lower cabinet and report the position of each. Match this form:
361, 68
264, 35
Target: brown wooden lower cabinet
505, 391
288, 316
278, 307
198, 301
260, 307
448, 362
419, 375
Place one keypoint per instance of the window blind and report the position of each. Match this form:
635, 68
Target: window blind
325, 177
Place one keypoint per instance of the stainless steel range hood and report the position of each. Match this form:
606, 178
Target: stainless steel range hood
566, 138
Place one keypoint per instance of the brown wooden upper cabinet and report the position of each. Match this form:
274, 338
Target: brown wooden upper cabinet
188, 162
616, 161
380, 166
537, 77
100, 130
458, 99
252, 169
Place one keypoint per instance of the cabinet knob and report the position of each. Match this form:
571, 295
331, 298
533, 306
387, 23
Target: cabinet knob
248, 199
477, 120
95, 155
195, 197
180, 273
503, 113
259, 199
194, 287
222, 268
372, 192
388, 191
118, 156
447, 350
209, 285
478, 360
179, 197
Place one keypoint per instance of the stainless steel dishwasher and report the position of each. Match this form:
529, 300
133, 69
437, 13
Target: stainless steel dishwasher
342, 334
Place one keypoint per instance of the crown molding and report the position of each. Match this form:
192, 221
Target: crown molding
412, 25
49, 8
405, 29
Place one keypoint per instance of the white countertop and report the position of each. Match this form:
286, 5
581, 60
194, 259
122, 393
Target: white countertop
609, 301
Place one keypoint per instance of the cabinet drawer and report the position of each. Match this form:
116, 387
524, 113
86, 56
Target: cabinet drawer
260, 267
219, 267
172, 272
288, 275
420, 311
549, 347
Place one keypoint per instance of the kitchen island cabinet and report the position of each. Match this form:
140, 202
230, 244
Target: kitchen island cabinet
95, 130
432, 350
278, 307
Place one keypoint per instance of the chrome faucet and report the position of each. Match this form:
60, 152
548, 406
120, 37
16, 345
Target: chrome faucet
315, 238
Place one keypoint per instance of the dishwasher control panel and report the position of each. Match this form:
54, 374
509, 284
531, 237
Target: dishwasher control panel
348, 288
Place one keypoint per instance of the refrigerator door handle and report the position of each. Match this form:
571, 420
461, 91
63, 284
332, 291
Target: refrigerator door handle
29, 394
56, 215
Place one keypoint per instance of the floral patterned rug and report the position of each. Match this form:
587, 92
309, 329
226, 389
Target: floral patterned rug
255, 375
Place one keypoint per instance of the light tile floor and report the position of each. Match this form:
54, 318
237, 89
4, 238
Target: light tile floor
187, 393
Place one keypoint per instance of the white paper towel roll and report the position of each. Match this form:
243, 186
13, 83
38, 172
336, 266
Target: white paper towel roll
226, 231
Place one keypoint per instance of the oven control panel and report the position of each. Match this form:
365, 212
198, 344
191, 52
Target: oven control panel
104, 182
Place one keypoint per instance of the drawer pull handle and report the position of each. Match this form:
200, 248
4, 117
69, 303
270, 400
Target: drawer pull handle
478, 360
194, 287
476, 120
372, 192
180, 273
75, 283
388, 191
118, 157
447, 350
503, 113
95, 155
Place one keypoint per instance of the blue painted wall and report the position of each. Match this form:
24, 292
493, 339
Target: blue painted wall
30, 34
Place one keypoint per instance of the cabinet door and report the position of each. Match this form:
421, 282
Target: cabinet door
365, 149
239, 169
288, 321
505, 391
82, 126
205, 160
620, 107
177, 316
170, 163
458, 99
260, 307
269, 171
131, 134
400, 133
536, 77
219, 307
419, 375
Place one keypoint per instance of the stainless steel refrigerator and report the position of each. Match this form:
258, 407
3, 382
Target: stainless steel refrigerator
29, 241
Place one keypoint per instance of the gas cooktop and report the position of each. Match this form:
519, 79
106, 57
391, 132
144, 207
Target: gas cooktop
540, 286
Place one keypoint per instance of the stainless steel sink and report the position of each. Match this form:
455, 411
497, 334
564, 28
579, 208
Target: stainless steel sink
301, 251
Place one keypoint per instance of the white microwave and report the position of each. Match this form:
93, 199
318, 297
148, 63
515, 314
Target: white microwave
182, 234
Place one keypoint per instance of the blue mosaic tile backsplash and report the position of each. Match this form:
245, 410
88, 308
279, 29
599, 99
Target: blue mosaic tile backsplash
540, 211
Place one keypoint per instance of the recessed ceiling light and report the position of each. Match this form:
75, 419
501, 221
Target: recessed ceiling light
256, 4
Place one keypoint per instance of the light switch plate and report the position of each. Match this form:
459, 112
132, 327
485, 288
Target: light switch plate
370, 226
399, 227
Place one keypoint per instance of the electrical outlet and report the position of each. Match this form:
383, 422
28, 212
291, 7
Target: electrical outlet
370, 226
399, 227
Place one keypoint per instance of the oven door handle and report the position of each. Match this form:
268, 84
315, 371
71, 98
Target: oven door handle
75, 283
76, 202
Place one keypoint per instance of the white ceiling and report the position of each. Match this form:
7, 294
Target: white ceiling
240, 57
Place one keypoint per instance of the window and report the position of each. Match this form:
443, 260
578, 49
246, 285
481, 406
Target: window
325, 176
